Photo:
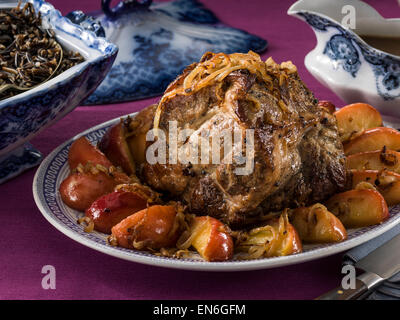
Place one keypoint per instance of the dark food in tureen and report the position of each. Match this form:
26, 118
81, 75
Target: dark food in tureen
29, 54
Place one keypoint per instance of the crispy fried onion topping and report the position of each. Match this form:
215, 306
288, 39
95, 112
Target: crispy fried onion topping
215, 67
144, 191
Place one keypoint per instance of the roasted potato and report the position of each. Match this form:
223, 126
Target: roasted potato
82, 151
355, 118
277, 238
359, 208
386, 182
375, 160
373, 140
316, 224
152, 228
88, 183
80, 189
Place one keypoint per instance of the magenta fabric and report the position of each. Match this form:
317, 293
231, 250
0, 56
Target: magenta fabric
28, 241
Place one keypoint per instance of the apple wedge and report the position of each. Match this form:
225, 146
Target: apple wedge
114, 146
82, 152
357, 176
112, 208
386, 182
316, 224
359, 208
138, 128
355, 118
373, 140
152, 228
375, 160
390, 190
211, 239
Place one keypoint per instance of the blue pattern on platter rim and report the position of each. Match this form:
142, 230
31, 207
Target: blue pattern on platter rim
155, 49
348, 49
26, 114
55, 168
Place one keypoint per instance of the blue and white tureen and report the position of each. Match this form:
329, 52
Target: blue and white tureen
26, 114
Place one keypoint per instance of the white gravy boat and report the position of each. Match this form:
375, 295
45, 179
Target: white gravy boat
343, 61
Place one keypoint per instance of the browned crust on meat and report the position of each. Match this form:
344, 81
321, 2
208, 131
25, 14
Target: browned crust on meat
299, 159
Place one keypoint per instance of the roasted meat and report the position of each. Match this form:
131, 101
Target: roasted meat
298, 158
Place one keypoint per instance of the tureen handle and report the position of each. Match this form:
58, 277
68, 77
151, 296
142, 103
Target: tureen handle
123, 7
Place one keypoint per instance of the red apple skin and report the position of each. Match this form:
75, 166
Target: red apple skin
218, 245
82, 152
112, 208
317, 225
115, 147
154, 226
79, 190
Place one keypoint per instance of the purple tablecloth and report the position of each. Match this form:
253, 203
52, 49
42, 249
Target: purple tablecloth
28, 241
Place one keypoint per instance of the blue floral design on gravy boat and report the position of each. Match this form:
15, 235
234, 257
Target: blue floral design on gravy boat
26, 114
156, 42
344, 62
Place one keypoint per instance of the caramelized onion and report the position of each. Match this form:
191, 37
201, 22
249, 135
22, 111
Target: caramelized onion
263, 241
89, 224
186, 239
214, 68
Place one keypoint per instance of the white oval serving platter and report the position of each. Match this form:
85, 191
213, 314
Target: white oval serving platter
54, 169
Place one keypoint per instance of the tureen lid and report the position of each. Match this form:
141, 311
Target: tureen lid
156, 42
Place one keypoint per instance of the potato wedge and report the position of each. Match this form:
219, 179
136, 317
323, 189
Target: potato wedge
137, 130
355, 118
152, 228
375, 160
316, 224
386, 182
359, 208
277, 238
372, 140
